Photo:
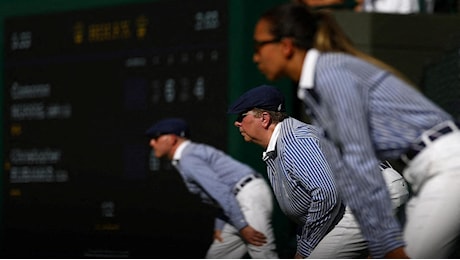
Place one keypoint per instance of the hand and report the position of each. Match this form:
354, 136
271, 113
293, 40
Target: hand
217, 235
253, 236
397, 253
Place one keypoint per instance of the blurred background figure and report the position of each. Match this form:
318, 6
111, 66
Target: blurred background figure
389, 6
242, 196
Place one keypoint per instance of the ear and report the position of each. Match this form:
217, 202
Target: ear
172, 139
266, 119
287, 46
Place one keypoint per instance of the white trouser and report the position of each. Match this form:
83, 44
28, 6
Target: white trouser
433, 212
256, 202
346, 240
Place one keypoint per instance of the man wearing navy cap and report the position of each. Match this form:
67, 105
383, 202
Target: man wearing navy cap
293, 154
243, 196
297, 169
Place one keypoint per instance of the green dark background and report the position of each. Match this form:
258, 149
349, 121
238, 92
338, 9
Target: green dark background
422, 46
241, 76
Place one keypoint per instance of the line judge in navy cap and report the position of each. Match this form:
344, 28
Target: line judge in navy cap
292, 154
242, 195
298, 172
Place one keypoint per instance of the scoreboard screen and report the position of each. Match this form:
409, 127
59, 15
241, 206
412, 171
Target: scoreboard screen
80, 89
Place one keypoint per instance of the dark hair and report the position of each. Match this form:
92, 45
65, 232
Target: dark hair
292, 20
316, 29
308, 28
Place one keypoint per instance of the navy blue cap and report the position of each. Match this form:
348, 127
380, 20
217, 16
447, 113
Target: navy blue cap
177, 126
263, 97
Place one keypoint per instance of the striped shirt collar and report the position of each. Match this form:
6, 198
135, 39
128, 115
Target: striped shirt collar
178, 153
307, 76
272, 144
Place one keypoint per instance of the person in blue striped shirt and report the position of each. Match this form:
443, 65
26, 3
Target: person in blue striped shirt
299, 174
368, 113
242, 195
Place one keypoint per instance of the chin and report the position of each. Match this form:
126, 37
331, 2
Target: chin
274, 77
270, 77
247, 139
263, 72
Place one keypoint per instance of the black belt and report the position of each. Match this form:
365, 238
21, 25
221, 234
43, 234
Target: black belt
243, 183
418, 147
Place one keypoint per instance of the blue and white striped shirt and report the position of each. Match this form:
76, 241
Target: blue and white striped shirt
365, 114
212, 174
302, 181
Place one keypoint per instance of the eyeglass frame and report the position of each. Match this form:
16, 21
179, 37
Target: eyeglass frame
260, 44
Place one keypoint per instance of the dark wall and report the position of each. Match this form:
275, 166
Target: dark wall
81, 82
424, 47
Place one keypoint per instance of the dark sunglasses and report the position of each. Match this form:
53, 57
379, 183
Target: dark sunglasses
158, 135
241, 116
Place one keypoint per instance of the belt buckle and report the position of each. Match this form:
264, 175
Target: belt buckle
430, 135
248, 179
241, 184
437, 131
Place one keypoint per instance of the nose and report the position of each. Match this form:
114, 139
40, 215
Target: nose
237, 124
255, 57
